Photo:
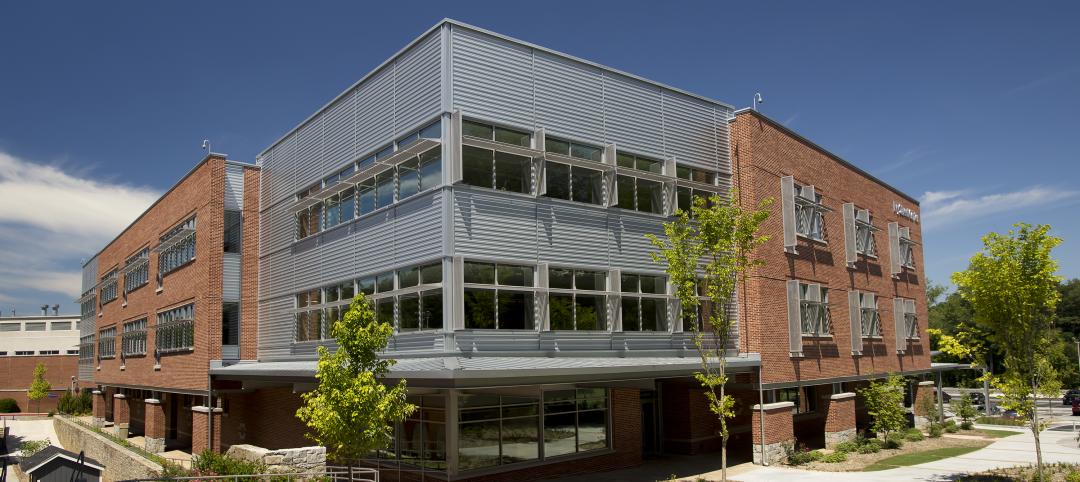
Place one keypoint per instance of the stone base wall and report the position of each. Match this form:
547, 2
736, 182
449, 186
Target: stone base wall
775, 453
303, 459
154, 445
120, 463
832, 439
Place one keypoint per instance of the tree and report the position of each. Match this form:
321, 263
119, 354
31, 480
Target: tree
965, 409
885, 404
1012, 286
709, 255
39, 387
351, 412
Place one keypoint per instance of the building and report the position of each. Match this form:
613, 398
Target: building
172, 292
492, 198
52, 340
54, 464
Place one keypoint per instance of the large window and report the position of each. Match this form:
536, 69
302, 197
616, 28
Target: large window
496, 430
696, 175
864, 234
494, 298
685, 196
640, 163
869, 316
108, 287
803, 398
640, 194
574, 183
107, 343
907, 250
809, 213
86, 348
422, 436
234, 229
814, 310
577, 300
573, 149
496, 133
230, 323
175, 331
421, 310
575, 421
177, 247
496, 169
137, 270
133, 341
644, 302
309, 318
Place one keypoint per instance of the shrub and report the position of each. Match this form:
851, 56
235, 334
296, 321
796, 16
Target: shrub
9, 405
31, 447
952, 428
1073, 476
967, 425
913, 435
210, 463
935, 431
848, 447
1015, 422
965, 409
894, 444
75, 404
835, 457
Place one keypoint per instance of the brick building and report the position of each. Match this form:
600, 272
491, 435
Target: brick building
25, 341
492, 198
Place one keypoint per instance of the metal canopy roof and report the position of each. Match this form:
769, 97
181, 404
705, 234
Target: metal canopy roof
460, 371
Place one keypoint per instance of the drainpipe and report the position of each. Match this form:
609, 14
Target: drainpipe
761, 418
209, 409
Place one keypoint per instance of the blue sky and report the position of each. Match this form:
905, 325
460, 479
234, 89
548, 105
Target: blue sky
969, 106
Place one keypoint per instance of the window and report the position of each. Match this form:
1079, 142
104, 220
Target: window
696, 175
491, 300
421, 310
137, 271
809, 213
419, 173
496, 430
175, 330
643, 313
869, 317
108, 287
309, 320
685, 196
422, 435
107, 343
24, 352
60, 326
640, 194
48, 352
814, 310
496, 133
88, 305
574, 149
234, 229
133, 339
905, 310
35, 326
86, 347
10, 327
570, 305
307, 221
496, 170
72, 352
864, 234
177, 247
230, 323
907, 250
574, 183
640, 163
803, 398
575, 421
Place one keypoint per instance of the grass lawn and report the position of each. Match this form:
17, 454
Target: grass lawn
919, 458
997, 433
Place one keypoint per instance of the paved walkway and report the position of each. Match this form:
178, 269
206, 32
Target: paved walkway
20, 431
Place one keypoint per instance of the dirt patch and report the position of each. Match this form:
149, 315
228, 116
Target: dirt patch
856, 462
1054, 473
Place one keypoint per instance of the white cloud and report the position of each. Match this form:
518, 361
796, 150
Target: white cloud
941, 207
50, 220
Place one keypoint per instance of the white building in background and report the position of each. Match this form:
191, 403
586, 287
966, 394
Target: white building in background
39, 335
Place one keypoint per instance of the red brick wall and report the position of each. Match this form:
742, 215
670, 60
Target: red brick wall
199, 422
779, 425
155, 420
249, 275
265, 418
763, 153
17, 372
121, 412
840, 415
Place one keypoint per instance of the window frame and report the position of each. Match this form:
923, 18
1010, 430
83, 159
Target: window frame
814, 314
133, 338
810, 215
869, 316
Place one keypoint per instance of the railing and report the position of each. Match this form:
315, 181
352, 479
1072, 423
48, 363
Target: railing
332, 474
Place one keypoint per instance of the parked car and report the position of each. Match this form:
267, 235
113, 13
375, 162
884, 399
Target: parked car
1070, 396
978, 400
945, 397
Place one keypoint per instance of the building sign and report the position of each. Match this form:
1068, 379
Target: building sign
905, 212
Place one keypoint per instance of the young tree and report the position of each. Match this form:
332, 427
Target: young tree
965, 409
39, 387
709, 255
351, 412
885, 404
1012, 286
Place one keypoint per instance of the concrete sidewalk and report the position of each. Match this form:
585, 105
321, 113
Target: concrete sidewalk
19, 431
1057, 446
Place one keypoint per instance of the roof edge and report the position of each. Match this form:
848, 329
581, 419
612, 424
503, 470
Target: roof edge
801, 138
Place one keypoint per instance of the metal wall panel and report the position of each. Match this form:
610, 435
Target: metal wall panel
281, 228
230, 277
234, 187
493, 225
492, 77
633, 117
418, 84
629, 249
418, 228
569, 97
338, 139
569, 234
337, 258
374, 113
690, 130
375, 242
89, 274
276, 327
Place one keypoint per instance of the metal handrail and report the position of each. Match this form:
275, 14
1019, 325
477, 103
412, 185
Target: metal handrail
334, 473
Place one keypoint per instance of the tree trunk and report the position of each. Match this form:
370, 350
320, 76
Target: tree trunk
1035, 426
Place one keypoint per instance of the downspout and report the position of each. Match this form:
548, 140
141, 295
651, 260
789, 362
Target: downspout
761, 417
209, 409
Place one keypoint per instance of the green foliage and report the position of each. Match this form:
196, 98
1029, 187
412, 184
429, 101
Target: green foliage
893, 444
872, 446
885, 403
835, 457
1073, 476
966, 425
211, 463
31, 447
39, 387
936, 431
801, 456
913, 435
965, 409
709, 251
170, 470
926, 406
950, 426
1015, 422
9, 405
351, 412
75, 404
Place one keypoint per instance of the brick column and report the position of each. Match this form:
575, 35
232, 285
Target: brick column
200, 418
626, 425
99, 408
779, 431
840, 419
121, 415
922, 391
154, 426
